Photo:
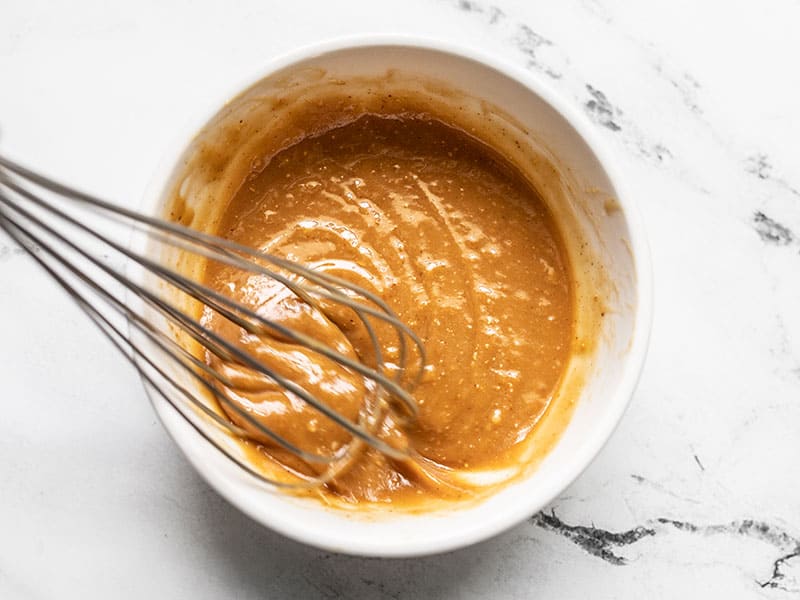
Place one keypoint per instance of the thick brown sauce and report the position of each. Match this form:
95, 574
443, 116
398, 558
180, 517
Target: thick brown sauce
457, 243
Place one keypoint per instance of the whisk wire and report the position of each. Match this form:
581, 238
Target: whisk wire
138, 322
220, 249
209, 247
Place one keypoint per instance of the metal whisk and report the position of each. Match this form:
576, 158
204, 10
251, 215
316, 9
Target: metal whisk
131, 297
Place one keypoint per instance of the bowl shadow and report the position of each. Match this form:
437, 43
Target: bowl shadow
260, 563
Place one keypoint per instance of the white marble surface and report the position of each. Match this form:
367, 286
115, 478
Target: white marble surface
698, 493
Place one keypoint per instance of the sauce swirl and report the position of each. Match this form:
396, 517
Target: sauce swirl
457, 242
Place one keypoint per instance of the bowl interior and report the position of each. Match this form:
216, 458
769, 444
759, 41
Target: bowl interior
604, 243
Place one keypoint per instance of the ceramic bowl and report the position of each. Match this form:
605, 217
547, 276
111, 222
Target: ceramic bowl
602, 217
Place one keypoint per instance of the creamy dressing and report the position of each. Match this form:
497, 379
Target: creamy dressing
457, 243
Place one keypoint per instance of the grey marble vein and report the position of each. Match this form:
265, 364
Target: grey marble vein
684, 83
600, 542
781, 579
600, 110
595, 541
770, 231
759, 164
543, 55
758, 530
494, 13
529, 43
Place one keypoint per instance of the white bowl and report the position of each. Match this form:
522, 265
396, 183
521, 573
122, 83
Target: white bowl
612, 231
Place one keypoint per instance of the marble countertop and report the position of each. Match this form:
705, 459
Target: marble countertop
697, 495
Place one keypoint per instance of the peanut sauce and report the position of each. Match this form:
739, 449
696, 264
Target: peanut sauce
462, 248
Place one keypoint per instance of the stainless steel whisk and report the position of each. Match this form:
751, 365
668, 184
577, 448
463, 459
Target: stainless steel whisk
76, 238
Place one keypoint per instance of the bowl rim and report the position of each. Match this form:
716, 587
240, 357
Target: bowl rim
631, 369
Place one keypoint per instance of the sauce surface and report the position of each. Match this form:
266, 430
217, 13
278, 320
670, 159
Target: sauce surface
463, 250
